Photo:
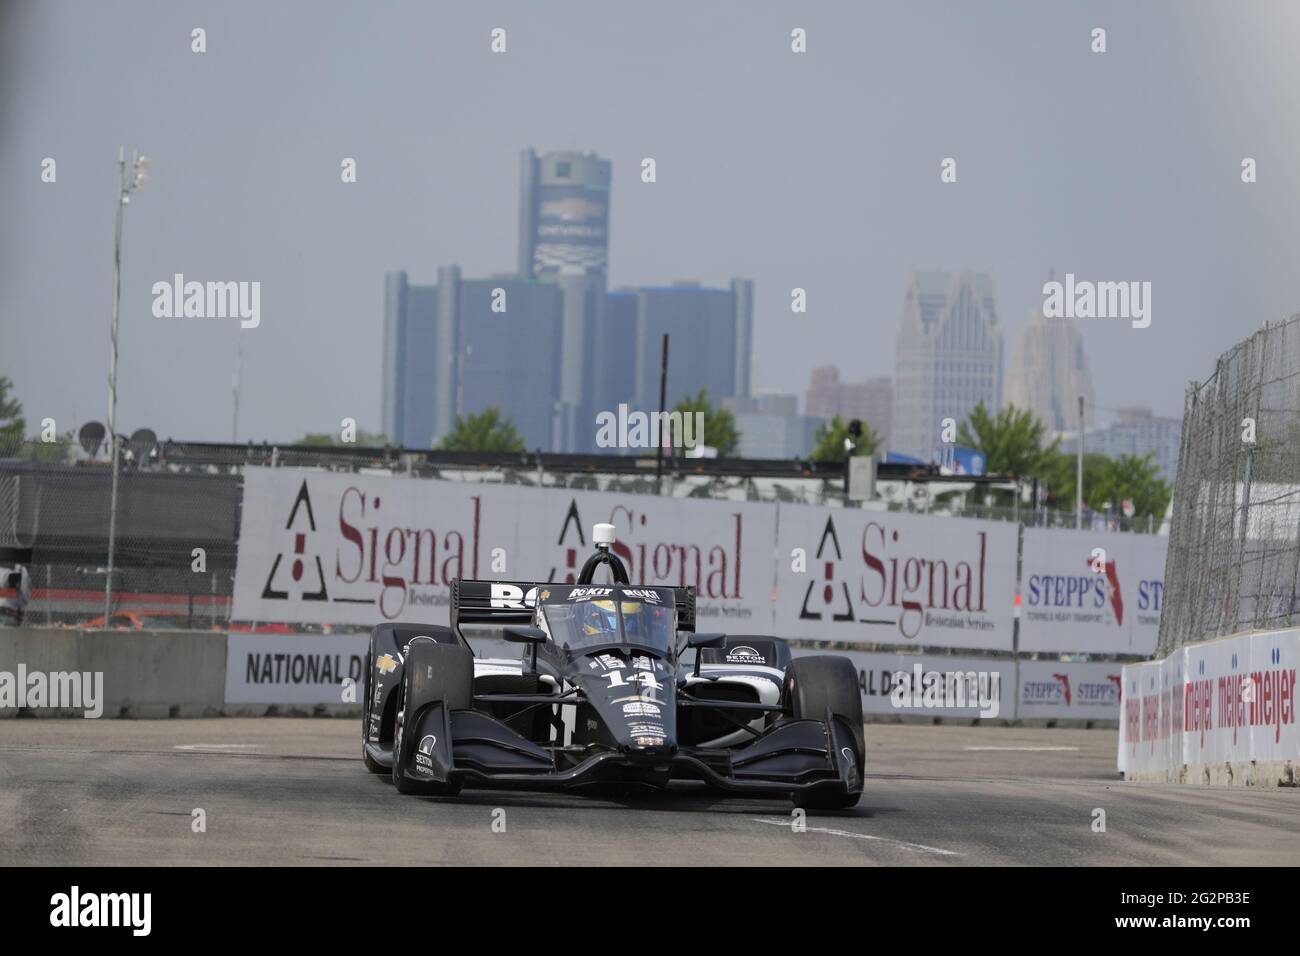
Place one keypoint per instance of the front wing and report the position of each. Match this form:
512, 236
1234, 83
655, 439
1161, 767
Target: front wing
470, 747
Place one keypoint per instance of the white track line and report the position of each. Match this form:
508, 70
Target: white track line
217, 747
1020, 748
785, 822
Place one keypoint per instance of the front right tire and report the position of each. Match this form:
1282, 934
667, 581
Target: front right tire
814, 685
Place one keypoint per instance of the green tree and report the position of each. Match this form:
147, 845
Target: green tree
1135, 478
13, 426
486, 431
828, 440
365, 439
1011, 441
1059, 472
719, 424
1108, 481
63, 449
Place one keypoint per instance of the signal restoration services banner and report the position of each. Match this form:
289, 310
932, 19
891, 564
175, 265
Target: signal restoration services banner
1095, 593
321, 547
883, 577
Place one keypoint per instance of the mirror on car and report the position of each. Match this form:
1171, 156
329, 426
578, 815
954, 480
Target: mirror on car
526, 635
706, 640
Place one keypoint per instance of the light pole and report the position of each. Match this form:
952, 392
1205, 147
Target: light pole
139, 174
1078, 474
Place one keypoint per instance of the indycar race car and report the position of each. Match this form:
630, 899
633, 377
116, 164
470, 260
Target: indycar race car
601, 695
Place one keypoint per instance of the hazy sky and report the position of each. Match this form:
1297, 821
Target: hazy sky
818, 170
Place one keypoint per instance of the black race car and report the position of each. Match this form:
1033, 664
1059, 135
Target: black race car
600, 695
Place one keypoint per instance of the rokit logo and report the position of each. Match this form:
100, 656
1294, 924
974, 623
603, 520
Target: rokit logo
77, 909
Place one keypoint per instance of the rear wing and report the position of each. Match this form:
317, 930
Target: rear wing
502, 603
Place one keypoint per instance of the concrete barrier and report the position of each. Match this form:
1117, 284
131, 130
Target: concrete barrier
146, 674
1219, 712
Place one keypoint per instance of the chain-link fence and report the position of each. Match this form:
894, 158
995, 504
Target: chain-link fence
174, 560
1234, 544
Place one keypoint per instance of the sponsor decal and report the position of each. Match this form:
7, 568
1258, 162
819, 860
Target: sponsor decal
508, 596
641, 708
609, 662
654, 733
744, 655
386, 663
586, 594
423, 760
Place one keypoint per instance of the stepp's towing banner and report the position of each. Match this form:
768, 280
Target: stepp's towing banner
1226, 702
319, 547
882, 577
1072, 690
1089, 592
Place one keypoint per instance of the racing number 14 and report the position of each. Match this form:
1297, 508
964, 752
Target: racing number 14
646, 678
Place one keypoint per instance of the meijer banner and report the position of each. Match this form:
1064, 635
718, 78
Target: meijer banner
882, 577
1096, 593
320, 547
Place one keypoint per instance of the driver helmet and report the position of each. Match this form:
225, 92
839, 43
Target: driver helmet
599, 619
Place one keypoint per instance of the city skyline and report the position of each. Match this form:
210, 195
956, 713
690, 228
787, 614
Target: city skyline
757, 175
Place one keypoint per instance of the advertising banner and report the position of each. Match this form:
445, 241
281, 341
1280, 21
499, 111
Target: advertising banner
1227, 701
933, 686
294, 668
1091, 592
883, 577
320, 547
1073, 691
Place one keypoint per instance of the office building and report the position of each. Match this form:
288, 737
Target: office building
871, 401
948, 360
1048, 372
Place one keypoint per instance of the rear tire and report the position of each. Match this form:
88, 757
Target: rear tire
812, 686
433, 673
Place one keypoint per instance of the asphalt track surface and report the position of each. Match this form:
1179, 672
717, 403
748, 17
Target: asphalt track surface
279, 791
